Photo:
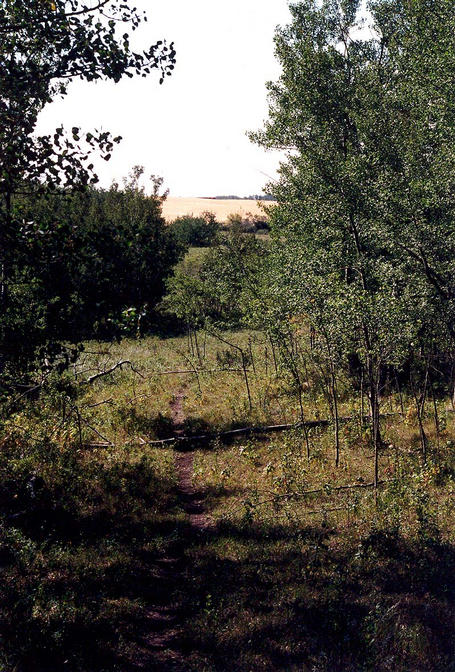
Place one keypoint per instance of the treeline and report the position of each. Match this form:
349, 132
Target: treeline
357, 282
253, 197
204, 230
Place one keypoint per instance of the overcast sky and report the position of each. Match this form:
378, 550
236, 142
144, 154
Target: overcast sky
191, 130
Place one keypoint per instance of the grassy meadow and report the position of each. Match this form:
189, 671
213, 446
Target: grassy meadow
299, 572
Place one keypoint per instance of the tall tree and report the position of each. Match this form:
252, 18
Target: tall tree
366, 196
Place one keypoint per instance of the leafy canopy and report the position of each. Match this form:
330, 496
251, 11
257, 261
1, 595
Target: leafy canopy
44, 45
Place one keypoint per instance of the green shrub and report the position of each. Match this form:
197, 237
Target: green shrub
196, 231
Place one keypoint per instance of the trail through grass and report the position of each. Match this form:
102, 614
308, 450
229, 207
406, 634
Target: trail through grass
109, 562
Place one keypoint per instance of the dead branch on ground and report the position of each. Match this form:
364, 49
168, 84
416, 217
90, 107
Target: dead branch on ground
111, 370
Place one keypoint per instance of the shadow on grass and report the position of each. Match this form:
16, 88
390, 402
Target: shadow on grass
78, 591
76, 580
274, 599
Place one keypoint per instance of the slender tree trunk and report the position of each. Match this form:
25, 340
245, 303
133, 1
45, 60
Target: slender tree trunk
387, 392
435, 413
302, 415
198, 352
420, 406
333, 395
420, 410
362, 406
373, 382
423, 436
79, 426
312, 338
399, 392
5, 231
336, 420
5, 228
452, 378
274, 355
306, 434
251, 355
245, 374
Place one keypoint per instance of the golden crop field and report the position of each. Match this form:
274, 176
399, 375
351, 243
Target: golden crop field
176, 207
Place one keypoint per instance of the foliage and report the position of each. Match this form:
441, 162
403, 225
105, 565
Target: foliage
196, 231
217, 291
43, 47
91, 263
363, 230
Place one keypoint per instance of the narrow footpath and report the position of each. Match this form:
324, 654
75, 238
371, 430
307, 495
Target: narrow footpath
159, 646
193, 501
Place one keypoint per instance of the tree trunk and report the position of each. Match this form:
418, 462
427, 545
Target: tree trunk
435, 413
362, 406
251, 355
399, 393
246, 380
336, 421
302, 419
198, 352
373, 381
274, 355
420, 408
5, 230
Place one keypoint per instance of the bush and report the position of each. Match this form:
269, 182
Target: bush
247, 224
84, 265
196, 231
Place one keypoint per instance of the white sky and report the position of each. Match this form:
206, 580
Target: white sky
191, 130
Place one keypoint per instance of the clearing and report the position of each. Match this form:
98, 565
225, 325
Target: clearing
249, 554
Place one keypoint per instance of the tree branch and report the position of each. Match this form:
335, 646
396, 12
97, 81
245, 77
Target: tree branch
111, 370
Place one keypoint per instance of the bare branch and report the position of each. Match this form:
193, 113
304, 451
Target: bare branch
111, 370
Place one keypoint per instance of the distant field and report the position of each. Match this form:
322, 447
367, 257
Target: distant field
176, 207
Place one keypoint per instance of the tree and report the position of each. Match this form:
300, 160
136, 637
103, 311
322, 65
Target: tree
365, 215
44, 46
218, 291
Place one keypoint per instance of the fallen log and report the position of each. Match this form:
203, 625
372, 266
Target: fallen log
266, 429
243, 431
192, 371
208, 437
326, 489
215, 435
100, 444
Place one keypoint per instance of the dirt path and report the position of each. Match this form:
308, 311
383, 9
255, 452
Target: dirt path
158, 647
193, 501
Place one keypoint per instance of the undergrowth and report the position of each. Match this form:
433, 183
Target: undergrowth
78, 529
307, 568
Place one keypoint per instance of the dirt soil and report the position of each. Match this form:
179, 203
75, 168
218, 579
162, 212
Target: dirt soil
158, 645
